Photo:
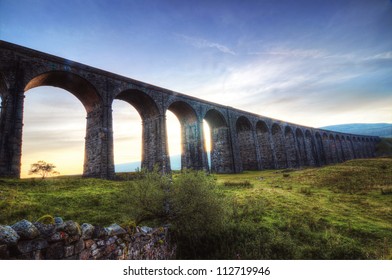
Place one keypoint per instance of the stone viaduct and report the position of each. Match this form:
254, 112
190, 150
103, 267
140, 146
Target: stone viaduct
239, 140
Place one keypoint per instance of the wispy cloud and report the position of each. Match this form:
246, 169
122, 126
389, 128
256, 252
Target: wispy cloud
303, 86
203, 43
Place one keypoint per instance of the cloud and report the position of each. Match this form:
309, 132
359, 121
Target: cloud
203, 43
306, 86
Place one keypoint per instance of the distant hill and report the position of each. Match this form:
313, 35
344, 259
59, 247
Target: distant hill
175, 163
371, 129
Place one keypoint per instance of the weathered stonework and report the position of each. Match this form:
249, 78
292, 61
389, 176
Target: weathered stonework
68, 242
240, 140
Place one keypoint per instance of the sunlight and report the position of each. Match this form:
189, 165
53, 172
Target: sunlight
54, 134
127, 136
174, 140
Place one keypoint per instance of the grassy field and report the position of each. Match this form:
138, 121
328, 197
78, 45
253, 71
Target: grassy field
341, 211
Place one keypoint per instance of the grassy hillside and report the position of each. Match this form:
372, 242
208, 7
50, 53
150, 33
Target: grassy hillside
341, 211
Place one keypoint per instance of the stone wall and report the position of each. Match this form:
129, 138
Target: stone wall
70, 241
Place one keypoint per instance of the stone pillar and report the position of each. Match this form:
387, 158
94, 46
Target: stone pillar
192, 146
11, 126
99, 159
155, 145
221, 156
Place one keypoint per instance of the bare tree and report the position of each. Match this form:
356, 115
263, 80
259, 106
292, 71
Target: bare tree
43, 168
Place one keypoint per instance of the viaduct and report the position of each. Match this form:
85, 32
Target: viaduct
239, 140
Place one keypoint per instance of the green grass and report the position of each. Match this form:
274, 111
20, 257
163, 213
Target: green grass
341, 211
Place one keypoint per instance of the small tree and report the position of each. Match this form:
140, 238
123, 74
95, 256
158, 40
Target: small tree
43, 168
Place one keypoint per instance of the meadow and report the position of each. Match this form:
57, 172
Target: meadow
341, 211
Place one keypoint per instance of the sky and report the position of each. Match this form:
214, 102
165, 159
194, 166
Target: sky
310, 62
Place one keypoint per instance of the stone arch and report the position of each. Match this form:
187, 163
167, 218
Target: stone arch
311, 155
345, 151
333, 149
192, 146
264, 142
279, 146
98, 159
322, 157
292, 157
301, 147
221, 151
154, 144
356, 148
73, 83
339, 149
246, 143
327, 149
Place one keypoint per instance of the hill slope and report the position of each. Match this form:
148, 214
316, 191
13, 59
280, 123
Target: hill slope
371, 129
341, 211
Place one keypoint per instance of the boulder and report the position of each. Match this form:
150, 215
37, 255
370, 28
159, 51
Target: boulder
8, 235
146, 230
87, 231
115, 229
45, 230
72, 228
25, 229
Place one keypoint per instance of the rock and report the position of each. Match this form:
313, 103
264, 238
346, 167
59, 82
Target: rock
115, 229
58, 221
45, 230
99, 232
84, 255
87, 231
27, 246
8, 235
72, 228
145, 229
4, 253
25, 229
58, 236
89, 243
55, 252
79, 246
69, 250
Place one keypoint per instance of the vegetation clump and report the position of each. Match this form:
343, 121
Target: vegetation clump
46, 219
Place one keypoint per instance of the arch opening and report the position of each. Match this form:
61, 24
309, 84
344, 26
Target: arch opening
127, 137
246, 143
53, 131
154, 145
190, 138
221, 153
264, 141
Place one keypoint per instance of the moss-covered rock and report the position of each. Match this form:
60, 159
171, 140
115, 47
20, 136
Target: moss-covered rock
46, 220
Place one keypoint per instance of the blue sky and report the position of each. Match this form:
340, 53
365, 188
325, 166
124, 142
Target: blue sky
310, 62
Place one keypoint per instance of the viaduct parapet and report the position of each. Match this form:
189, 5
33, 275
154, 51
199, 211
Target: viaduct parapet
239, 140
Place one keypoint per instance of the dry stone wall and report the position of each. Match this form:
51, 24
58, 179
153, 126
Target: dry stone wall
70, 241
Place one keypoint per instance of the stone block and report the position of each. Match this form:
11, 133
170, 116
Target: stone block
89, 243
4, 253
25, 229
79, 246
8, 235
85, 254
69, 250
55, 251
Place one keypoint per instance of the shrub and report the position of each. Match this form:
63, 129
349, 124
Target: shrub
245, 183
